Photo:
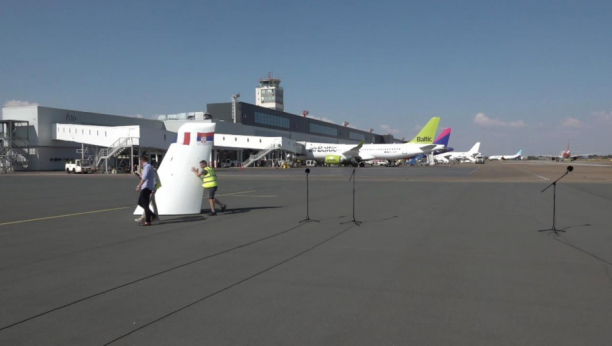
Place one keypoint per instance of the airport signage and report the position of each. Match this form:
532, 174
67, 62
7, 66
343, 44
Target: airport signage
70, 117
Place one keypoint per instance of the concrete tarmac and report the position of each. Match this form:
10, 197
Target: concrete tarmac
450, 258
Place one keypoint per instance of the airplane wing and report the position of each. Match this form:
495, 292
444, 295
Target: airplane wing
576, 156
427, 148
366, 157
354, 151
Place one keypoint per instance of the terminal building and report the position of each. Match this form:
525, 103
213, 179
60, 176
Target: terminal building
43, 138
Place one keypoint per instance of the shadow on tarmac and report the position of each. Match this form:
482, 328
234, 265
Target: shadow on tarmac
182, 220
577, 226
238, 210
564, 229
196, 218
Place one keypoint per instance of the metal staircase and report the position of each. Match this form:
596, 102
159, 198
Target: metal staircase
261, 154
14, 145
114, 150
5, 160
13, 159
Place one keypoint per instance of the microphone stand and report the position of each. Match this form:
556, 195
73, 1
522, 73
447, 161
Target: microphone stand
353, 178
308, 219
554, 185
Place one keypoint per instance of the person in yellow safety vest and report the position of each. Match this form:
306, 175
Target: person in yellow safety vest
210, 185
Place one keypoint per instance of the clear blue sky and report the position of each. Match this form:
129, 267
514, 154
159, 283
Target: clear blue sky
539, 72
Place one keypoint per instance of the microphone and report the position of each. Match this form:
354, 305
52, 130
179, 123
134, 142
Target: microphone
569, 169
308, 170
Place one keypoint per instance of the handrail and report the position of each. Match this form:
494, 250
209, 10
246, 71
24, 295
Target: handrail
118, 145
260, 154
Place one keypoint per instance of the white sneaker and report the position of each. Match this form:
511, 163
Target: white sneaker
140, 219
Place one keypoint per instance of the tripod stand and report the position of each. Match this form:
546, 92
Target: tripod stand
554, 185
308, 219
353, 178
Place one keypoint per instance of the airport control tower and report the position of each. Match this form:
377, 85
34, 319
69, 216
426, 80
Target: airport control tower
269, 94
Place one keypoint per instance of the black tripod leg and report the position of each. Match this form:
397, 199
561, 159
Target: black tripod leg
358, 223
554, 228
308, 219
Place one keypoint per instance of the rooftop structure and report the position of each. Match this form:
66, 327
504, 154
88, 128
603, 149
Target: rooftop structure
270, 94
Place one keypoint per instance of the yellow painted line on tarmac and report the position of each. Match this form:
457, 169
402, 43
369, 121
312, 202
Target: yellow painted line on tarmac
61, 216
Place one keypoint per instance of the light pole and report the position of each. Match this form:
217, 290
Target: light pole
235, 98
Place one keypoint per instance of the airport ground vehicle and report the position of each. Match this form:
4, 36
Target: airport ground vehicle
393, 163
479, 159
79, 166
227, 163
379, 162
311, 163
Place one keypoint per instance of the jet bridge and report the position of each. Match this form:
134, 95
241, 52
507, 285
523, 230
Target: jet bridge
102, 144
264, 145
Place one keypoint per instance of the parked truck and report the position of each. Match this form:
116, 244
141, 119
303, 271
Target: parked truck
79, 166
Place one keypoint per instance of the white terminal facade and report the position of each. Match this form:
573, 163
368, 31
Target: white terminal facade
43, 138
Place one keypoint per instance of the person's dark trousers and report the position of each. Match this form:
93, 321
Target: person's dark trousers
144, 201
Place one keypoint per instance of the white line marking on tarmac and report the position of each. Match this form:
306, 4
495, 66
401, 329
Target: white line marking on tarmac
537, 175
541, 177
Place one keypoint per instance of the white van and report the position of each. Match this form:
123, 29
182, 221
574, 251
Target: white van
227, 163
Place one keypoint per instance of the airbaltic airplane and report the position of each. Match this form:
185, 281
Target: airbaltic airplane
350, 153
452, 156
507, 157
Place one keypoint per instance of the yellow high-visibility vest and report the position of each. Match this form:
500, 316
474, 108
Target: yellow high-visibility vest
210, 179
158, 181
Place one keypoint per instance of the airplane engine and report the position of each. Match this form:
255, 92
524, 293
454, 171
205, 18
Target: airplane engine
334, 159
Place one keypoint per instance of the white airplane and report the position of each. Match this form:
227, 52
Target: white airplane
458, 156
567, 155
350, 153
507, 157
